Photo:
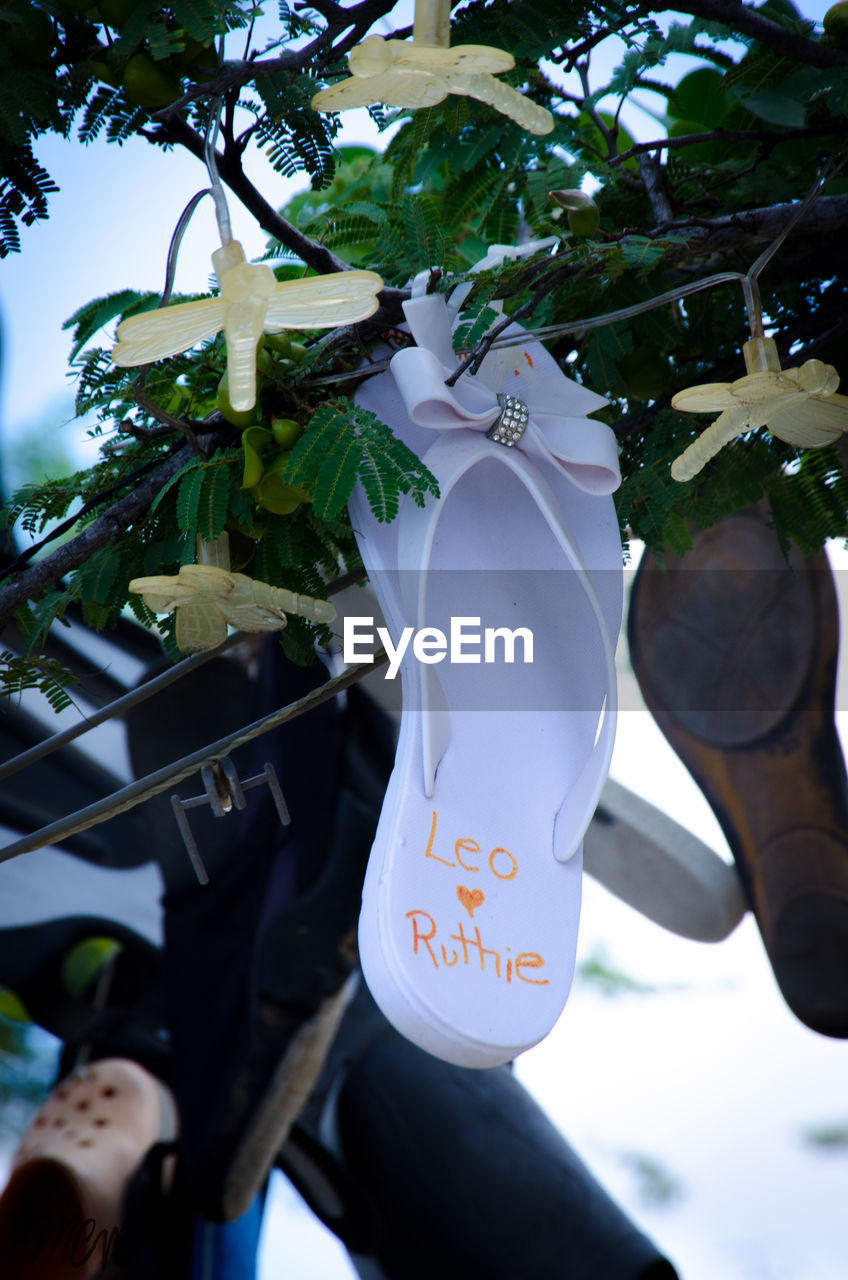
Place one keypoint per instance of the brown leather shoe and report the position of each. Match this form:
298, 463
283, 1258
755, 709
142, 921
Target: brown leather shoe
61, 1212
735, 653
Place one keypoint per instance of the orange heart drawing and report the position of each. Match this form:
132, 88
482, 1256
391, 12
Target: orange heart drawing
471, 899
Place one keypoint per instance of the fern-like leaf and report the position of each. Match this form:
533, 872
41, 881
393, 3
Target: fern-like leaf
212, 502
336, 478
188, 499
49, 677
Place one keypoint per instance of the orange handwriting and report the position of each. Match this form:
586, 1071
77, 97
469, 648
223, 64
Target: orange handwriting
489, 959
502, 863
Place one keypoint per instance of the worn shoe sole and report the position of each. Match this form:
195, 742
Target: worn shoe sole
735, 652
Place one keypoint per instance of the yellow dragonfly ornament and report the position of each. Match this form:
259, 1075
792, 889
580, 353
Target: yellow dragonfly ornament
208, 598
798, 406
251, 302
425, 71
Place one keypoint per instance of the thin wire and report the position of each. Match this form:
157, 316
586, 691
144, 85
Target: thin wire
750, 286
748, 281
144, 691
117, 707
830, 170
625, 313
176, 241
154, 783
557, 330
222, 212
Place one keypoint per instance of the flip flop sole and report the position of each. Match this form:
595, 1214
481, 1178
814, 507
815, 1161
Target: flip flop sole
469, 922
735, 653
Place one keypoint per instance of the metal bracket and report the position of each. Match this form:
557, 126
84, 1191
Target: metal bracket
223, 792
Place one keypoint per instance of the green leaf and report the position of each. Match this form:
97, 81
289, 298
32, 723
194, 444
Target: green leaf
93, 582
642, 253
200, 18
388, 467
774, 107
84, 962
18, 674
473, 326
191, 465
213, 501
323, 431
604, 349
336, 478
188, 499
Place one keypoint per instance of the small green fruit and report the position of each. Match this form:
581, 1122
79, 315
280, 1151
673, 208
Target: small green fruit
280, 343
584, 217
274, 494
265, 362
12, 1007
298, 352
286, 432
84, 962
835, 23
103, 71
253, 440
199, 60
584, 222
238, 417
148, 85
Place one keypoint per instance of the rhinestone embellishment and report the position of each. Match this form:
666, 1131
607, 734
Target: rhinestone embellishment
512, 423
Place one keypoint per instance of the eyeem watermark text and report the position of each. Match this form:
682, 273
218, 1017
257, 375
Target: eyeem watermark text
466, 641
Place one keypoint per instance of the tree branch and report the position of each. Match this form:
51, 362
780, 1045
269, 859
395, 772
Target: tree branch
314, 56
825, 217
773, 136
745, 20
652, 174
313, 254
111, 526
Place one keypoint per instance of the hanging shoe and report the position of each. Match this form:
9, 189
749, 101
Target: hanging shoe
471, 902
62, 1209
735, 652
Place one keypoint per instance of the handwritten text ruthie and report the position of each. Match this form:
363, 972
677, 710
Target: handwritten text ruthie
431, 942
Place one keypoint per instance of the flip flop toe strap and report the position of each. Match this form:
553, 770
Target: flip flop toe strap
449, 459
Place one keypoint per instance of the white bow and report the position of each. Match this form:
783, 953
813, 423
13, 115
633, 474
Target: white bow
558, 432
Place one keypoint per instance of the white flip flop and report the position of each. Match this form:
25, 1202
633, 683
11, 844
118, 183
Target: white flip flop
471, 900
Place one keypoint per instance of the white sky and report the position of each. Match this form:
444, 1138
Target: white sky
714, 1078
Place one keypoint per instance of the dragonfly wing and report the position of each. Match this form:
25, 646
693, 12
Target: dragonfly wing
706, 398
323, 302
762, 412
252, 606
200, 626
475, 59
255, 617
162, 593
356, 91
208, 580
815, 422
156, 334
413, 86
